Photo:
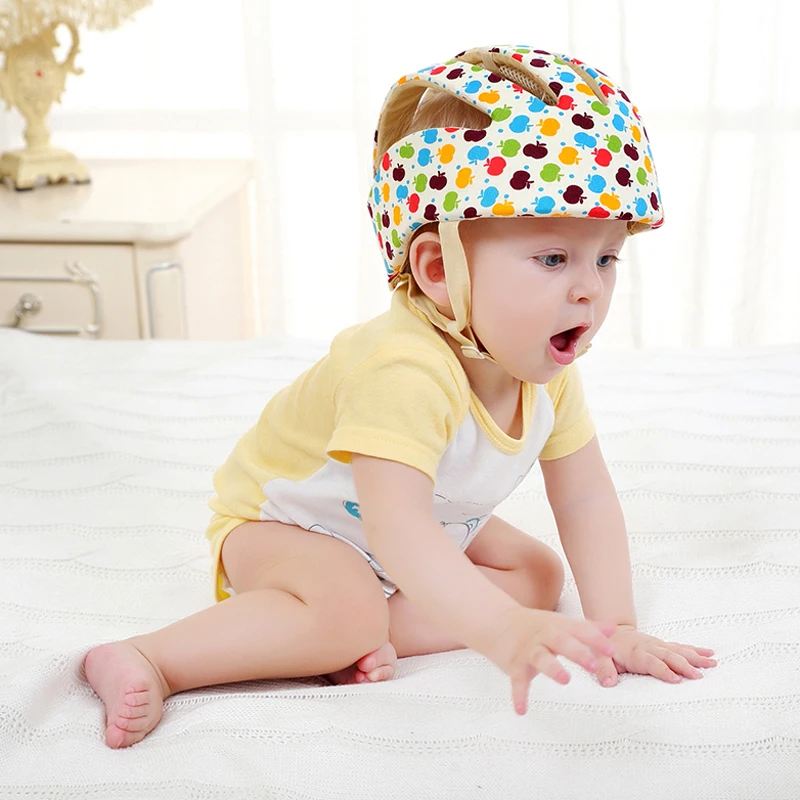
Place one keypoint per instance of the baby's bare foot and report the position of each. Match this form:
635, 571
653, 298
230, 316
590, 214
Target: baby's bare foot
379, 665
131, 689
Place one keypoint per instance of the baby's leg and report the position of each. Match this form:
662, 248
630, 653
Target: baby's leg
305, 604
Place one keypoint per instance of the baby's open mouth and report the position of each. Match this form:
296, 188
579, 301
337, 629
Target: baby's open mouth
567, 339
564, 344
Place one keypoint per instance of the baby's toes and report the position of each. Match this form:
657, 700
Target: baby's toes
117, 737
132, 724
370, 661
384, 673
384, 655
135, 703
133, 718
367, 663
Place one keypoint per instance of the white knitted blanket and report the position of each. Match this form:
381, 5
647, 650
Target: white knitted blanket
107, 451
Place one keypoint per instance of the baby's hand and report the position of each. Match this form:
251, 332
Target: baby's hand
529, 639
639, 653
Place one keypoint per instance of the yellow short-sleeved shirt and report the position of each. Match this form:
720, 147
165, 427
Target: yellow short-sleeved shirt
390, 388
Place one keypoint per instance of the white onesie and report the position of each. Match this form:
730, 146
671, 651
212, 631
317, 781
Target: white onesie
473, 478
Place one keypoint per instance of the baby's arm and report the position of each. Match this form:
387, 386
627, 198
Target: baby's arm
396, 505
592, 530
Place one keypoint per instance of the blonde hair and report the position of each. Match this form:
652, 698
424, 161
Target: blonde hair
437, 109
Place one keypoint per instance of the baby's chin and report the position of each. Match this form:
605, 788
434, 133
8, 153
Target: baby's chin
530, 373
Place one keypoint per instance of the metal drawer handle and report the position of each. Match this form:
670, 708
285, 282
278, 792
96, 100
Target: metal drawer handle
162, 267
27, 305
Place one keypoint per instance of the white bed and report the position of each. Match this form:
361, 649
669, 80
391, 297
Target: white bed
107, 451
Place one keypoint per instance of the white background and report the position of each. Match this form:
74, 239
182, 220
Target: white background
298, 87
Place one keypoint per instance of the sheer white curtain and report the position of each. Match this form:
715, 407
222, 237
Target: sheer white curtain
298, 86
715, 84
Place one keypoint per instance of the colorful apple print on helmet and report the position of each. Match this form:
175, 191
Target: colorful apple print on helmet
562, 140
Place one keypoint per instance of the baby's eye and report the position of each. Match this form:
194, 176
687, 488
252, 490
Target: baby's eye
550, 263
607, 261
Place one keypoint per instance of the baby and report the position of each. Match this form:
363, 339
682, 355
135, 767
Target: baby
353, 524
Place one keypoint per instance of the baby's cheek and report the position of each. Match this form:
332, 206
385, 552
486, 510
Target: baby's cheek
601, 311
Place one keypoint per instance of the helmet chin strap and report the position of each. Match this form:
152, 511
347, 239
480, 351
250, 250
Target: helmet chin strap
456, 275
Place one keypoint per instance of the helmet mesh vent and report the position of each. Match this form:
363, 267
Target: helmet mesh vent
509, 68
531, 83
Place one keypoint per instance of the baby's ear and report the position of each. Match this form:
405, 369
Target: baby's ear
427, 267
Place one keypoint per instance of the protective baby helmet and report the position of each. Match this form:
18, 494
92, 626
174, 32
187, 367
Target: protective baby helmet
563, 140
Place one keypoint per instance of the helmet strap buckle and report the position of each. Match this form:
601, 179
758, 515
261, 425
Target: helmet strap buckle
470, 351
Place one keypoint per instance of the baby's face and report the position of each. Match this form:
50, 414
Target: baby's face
532, 279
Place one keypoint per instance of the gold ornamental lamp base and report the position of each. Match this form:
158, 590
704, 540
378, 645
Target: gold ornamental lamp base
31, 79
25, 169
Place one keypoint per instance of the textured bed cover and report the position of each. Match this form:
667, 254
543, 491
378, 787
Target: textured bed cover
107, 451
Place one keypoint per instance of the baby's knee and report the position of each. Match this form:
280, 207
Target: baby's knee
554, 573
358, 617
545, 580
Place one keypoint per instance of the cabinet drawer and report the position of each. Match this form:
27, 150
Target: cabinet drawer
85, 290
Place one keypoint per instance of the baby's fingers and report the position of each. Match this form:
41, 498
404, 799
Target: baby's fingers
680, 665
520, 685
593, 635
543, 661
701, 651
651, 664
569, 646
659, 666
694, 657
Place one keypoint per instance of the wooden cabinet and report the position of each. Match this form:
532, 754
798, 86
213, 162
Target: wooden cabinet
153, 249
